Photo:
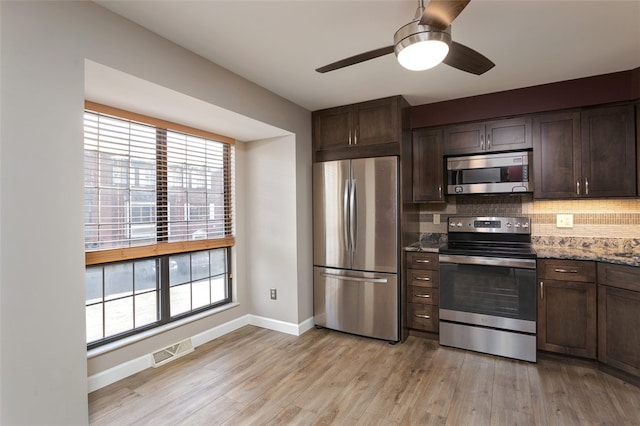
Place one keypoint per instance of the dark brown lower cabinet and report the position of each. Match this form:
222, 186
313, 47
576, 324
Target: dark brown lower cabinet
567, 307
567, 318
422, 291
619, 317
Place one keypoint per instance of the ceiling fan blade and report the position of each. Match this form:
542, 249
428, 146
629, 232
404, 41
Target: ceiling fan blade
441, 13
467, 59
356, 59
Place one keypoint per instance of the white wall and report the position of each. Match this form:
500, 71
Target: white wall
270, 234
44, 46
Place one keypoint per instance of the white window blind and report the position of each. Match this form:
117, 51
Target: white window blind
149, 184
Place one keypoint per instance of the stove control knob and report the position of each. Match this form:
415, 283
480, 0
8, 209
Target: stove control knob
508, 224
459, 225
525, 225
517, 225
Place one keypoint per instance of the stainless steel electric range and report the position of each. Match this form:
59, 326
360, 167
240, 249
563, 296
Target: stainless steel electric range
488, 287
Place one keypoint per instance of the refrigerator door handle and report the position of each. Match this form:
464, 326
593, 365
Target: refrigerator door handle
358, 279
353, 219
346, 216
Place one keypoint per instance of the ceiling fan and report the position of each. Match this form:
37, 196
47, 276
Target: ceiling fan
425, 42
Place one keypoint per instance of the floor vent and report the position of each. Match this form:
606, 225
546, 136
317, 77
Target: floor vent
172, 352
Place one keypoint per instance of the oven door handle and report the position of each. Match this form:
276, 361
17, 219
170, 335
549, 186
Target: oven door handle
488, 261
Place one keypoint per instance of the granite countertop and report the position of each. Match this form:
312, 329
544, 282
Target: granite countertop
623, 252
575, 253
428, 247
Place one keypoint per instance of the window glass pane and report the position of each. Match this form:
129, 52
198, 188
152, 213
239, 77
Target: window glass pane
201, 295
93, 284
118, 280
199, 265
94, 322
181, 273
146, 308
180, 299
218, 261
118, 316
145, 275
218, 289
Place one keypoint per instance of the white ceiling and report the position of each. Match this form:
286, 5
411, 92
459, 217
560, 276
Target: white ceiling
279, 44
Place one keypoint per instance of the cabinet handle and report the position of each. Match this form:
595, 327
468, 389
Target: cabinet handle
586, 186
566, 271
422, 316
541, 290
481, 141
423, 296
577, 187
440, 192
422, 278
422, 261
488, 141
349, 137
355, 136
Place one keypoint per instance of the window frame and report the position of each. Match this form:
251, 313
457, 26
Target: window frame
162, 249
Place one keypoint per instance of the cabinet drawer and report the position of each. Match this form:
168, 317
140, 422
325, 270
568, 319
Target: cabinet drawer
566, 270
423, 317
424, 295
421, 260
423, 278
621, 276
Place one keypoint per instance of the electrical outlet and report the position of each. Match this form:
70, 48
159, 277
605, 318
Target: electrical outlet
564, 221
436, 218
274, 294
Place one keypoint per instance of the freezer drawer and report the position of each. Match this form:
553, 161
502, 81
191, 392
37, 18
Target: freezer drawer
362, 303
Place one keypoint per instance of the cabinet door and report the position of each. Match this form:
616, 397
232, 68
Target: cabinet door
609, 152
377, 122
567, 317
428, 176
464, 139
506, 135
619, 328
332, 128
556, 155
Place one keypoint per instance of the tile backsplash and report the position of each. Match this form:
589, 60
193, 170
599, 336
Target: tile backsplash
617, 218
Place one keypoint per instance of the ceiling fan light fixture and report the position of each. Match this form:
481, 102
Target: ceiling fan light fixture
420, 47
423, 55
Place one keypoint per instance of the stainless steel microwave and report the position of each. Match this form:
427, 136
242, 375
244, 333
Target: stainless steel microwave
506, 172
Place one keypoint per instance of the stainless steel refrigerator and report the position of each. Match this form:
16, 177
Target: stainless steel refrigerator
355, 280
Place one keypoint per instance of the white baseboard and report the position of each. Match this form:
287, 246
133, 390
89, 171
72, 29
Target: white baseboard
121, 371
219, 331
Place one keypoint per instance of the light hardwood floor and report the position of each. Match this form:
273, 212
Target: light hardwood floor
257, 376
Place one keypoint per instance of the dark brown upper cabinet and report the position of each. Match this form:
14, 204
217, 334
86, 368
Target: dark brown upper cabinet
487, 136
608, 152
366, 129
556, 155
428, 175
590, 154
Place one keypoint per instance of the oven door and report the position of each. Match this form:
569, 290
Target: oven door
488, 291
